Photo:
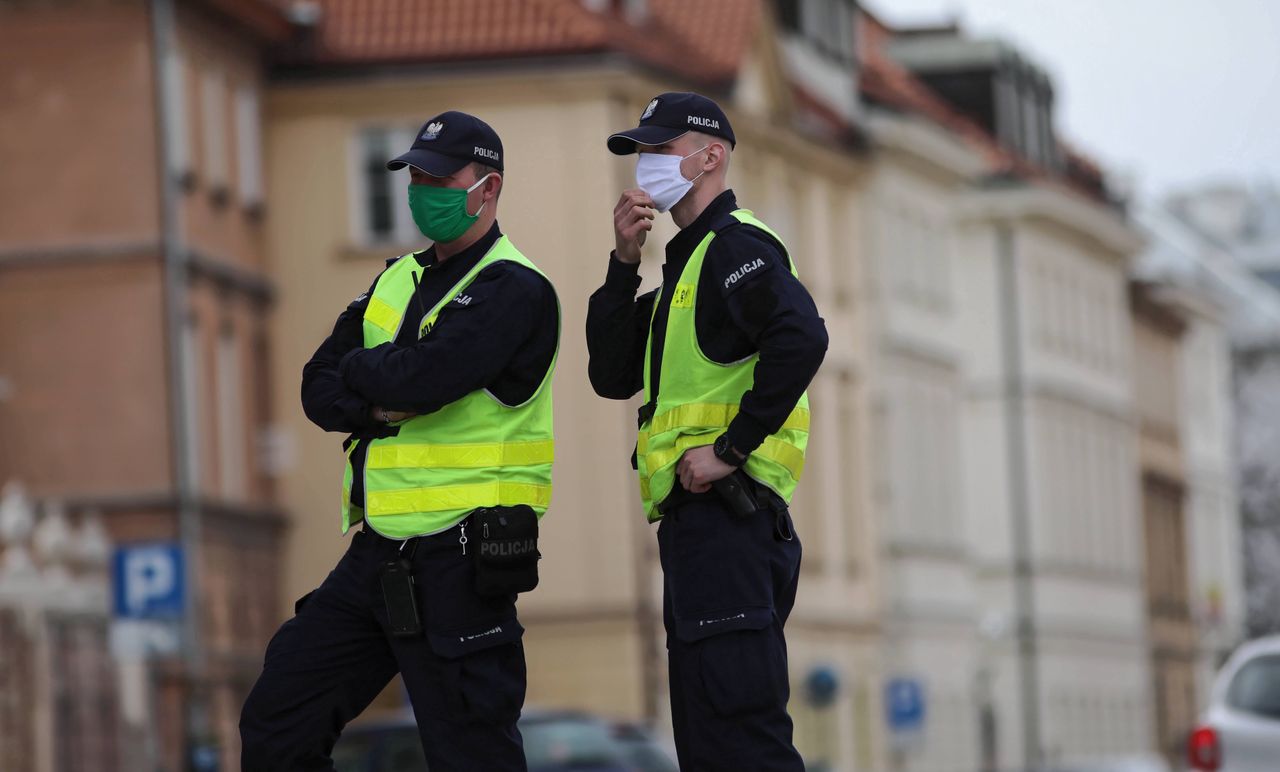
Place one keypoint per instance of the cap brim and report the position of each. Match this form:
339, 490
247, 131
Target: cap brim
432, 163
624, 142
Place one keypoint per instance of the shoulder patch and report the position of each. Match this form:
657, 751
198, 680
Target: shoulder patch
741, 272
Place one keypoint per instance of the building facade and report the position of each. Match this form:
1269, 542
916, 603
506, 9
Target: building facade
976, 524
1225, 310
133, 345
1232, 233
594, 632
1158, 328
971, 509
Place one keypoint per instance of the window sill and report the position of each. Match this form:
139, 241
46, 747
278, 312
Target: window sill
379, 251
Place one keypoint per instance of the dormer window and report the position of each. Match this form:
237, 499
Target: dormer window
826, 24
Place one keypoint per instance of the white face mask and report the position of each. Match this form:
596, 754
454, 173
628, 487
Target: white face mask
658, 174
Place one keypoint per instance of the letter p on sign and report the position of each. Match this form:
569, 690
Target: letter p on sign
148, 581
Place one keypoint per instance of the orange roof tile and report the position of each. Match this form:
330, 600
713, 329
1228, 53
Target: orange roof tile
434, 30
703, 41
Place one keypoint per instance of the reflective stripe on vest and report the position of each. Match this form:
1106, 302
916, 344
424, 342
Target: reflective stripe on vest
698, 398
474, 452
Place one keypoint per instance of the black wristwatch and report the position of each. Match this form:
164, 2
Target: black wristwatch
727, 453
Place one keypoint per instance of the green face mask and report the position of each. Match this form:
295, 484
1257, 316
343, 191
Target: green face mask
441, 213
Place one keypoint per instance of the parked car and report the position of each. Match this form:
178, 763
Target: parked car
554, 741
1140, 762
1240, 732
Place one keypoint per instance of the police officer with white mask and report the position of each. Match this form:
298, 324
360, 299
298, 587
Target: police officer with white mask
723, 352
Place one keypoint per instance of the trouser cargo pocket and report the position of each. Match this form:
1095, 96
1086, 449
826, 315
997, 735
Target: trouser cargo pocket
483, 671
740, 659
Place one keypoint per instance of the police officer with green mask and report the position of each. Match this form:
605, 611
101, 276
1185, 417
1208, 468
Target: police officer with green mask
722, 353
440, 376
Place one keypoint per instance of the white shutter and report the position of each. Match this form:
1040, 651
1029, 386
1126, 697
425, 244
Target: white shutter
249, 145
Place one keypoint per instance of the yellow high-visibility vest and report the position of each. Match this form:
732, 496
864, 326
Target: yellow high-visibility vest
697, 398
473, 452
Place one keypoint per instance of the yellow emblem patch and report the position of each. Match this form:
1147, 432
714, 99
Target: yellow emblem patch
683, 296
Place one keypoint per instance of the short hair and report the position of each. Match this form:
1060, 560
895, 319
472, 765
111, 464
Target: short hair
482, 169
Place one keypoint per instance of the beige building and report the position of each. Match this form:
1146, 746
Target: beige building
1218, 300
999, 386
594, 635
1158, 328
133, 323
971, 507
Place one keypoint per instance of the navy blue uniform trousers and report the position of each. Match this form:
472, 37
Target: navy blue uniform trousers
465, 676
729, 584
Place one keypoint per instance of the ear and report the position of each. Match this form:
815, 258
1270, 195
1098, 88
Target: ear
715, 156
492, 186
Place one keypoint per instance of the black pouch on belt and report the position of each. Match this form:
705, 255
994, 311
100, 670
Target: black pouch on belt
736, 492
507, 557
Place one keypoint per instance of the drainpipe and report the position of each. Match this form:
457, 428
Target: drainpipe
1019, 498
182, 428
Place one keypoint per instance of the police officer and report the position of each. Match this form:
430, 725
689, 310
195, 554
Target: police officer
441, 375
723, 352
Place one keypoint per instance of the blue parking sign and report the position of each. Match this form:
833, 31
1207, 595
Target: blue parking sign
904, 705
148, 581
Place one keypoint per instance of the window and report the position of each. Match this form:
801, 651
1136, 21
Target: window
1256, 688
828, 24
381, 214
192, 396
1048, 143
840, 30
923, 450
850, 469
789, 14
1166, 552
1031, 132
249, 145
213, 121
175, 74
231, 419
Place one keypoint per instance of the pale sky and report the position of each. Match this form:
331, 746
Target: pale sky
1166, 92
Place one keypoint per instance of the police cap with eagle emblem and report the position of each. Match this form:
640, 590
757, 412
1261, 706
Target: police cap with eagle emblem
450, 141
672, 115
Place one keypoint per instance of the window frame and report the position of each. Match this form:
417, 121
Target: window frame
213, 131
403, 232
248, 115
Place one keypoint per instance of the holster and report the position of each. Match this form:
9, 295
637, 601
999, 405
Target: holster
745, 499
737, 493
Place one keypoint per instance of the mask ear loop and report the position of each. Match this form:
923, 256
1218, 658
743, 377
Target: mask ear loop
691, 155
479, 182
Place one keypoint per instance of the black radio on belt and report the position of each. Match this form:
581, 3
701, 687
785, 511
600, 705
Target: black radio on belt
506, 556
396, 576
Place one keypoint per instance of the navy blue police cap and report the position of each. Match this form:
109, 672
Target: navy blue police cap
673, 115
450, 141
